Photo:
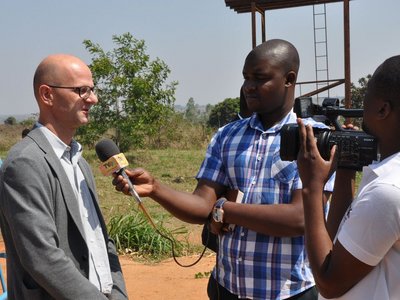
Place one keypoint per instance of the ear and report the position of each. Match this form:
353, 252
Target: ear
290, 79
46, 95
384, 109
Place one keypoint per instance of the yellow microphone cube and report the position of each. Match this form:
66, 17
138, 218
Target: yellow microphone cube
113, 164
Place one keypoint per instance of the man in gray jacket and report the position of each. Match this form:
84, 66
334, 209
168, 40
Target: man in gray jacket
55, 236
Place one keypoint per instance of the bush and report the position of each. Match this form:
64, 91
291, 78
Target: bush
133, 234
10, 121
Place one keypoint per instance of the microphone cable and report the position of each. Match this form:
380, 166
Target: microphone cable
147, 215
106, 149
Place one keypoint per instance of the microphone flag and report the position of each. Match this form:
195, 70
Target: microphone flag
113, 164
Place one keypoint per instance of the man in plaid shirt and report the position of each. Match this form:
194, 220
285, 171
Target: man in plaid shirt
262, 256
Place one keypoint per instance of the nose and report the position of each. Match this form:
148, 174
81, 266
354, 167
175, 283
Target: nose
92, 98
248, 86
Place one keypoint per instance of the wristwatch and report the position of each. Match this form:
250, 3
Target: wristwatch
218, 212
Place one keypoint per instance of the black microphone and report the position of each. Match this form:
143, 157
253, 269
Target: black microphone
114, 162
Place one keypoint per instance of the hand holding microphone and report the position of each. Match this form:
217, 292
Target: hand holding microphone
144, 182
114, 163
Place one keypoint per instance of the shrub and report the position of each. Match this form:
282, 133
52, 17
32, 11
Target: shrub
10, 121
133, 234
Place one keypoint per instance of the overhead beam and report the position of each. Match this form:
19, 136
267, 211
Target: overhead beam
244, 6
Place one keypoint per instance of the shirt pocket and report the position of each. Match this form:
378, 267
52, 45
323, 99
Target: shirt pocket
283, 171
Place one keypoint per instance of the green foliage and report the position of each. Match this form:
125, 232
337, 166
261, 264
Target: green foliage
195, 115
191, 111
134, 99
357, 96
200, 275
10, 121
179, 133
28, 123
358, 93
224, 112
133, 234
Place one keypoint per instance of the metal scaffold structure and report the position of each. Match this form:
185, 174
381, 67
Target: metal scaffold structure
322, 81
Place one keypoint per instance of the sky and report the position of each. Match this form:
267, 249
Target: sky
203, 42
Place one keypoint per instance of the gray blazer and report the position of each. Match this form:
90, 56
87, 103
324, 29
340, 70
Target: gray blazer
47, 256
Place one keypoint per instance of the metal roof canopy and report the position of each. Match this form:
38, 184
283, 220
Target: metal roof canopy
243, 6
260, 6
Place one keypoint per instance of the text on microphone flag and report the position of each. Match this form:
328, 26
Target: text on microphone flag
113, 164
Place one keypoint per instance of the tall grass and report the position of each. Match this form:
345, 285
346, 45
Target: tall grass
128, 226
133, 234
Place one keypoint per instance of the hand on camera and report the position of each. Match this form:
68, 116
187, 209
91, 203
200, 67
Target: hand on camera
313, 168
350, 126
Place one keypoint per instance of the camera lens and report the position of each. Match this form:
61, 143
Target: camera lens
290, 143
324, 144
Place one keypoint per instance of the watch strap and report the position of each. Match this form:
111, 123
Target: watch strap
218, 212
220, 202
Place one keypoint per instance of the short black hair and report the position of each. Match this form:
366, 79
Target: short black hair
385, 82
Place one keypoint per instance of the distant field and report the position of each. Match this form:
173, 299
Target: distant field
9, 135
176, 168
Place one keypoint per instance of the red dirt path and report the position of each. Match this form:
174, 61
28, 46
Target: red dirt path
162, 281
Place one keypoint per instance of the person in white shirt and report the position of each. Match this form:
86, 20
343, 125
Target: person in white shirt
356, 254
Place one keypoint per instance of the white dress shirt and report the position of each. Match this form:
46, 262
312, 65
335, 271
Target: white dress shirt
99, 267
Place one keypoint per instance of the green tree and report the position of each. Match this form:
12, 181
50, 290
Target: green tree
358, 92
224, 112
10, 121
205, 116
191, 111
357, 97
134, 99
29, 122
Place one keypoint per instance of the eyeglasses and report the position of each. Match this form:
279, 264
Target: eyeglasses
82, 91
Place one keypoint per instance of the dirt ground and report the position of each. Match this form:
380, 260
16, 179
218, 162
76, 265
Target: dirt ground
165, 280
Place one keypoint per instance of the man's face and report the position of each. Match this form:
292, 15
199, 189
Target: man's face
264, 85
369, 104
69, 109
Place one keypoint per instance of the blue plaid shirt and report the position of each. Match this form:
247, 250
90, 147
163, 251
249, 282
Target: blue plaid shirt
242, 155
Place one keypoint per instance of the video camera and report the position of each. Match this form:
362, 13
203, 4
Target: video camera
355, 149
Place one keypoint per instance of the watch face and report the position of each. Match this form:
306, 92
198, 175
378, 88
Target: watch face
217, 215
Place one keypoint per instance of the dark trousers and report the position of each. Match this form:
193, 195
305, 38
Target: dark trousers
217, 292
